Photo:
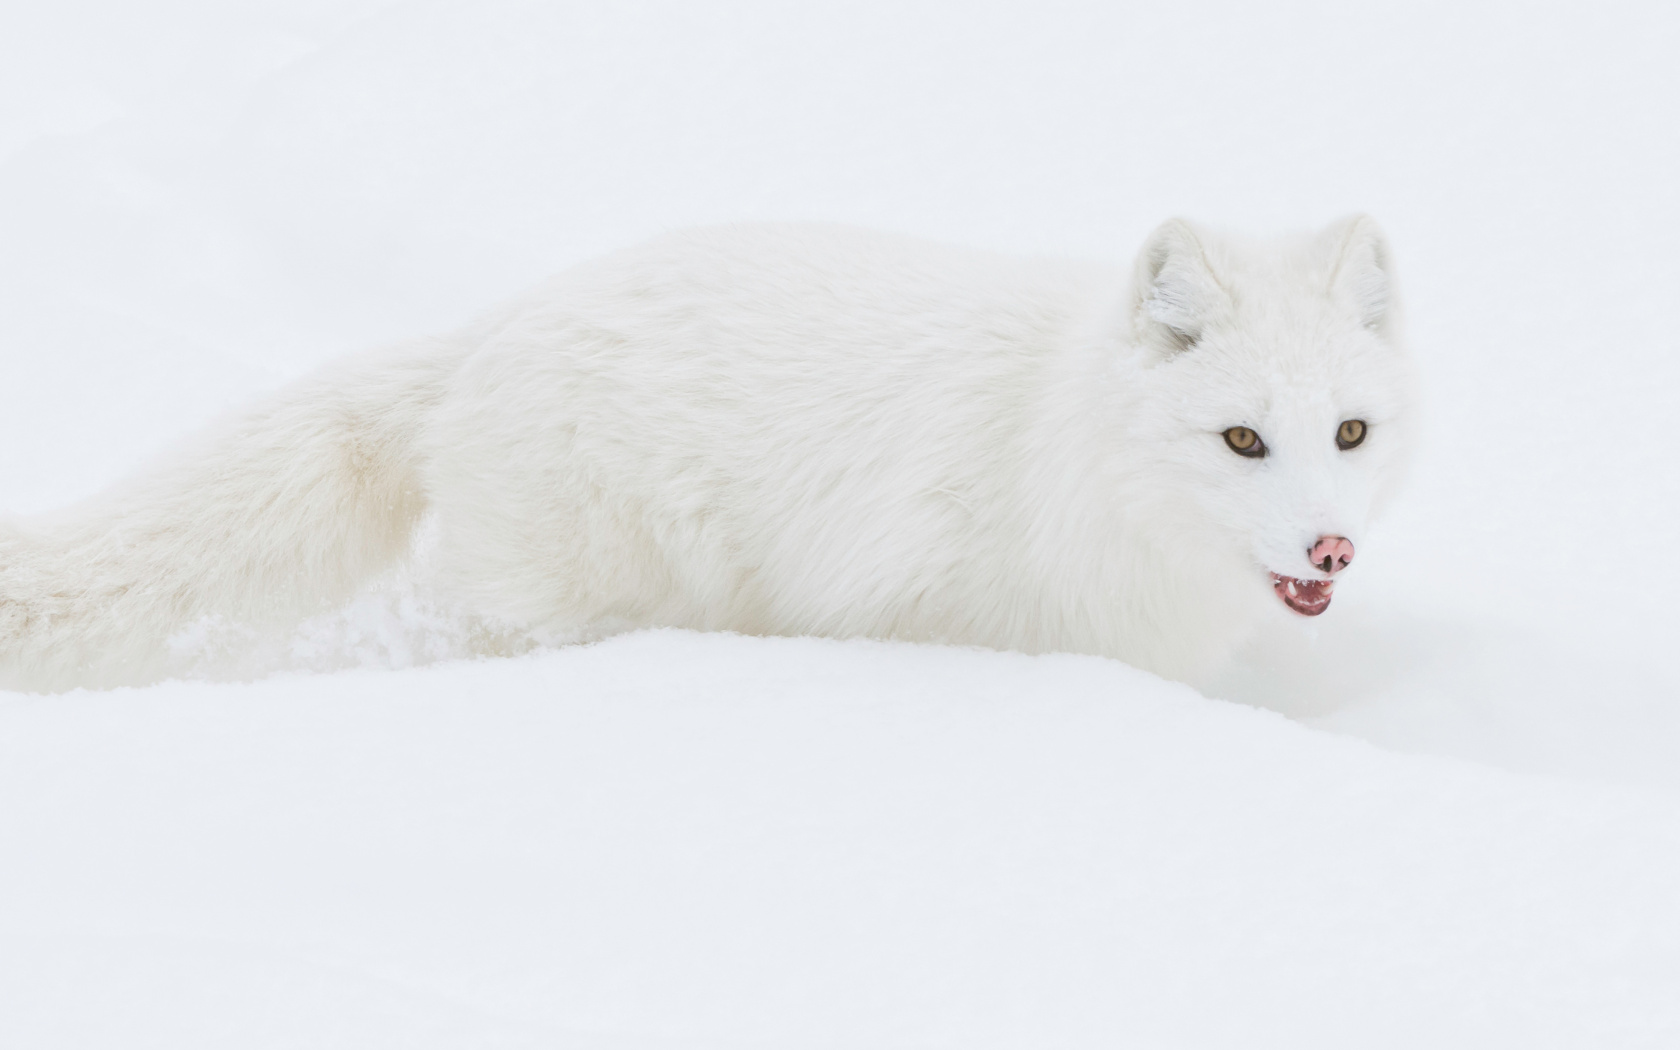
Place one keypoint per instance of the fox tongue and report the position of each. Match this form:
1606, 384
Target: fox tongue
1307, 597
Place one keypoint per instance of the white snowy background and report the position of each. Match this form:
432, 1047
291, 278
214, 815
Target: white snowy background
1447, 815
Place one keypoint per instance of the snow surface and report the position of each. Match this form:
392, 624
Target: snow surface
1448, 814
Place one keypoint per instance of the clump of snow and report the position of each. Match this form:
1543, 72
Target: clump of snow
672, 840
396, 621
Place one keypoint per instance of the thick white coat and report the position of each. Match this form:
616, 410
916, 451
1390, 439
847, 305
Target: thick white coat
782, 430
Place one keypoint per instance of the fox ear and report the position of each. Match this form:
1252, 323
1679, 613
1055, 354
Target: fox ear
1174, 292
1360, 270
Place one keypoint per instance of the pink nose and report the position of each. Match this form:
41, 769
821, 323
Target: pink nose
1331, 554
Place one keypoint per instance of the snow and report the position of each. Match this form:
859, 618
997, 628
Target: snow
724, 841
1444, 815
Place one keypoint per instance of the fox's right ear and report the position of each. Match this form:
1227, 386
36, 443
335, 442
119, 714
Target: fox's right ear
1174, 292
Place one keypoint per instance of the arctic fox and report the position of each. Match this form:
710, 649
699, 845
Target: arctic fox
794, 430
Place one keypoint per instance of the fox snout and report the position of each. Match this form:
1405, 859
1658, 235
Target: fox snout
1331, 554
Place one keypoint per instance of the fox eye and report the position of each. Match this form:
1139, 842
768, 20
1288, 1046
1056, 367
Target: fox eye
1350, 433
1245, 442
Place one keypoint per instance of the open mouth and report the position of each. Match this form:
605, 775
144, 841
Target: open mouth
1307, 597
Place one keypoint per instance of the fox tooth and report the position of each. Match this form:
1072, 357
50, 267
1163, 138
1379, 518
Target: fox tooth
1292, 590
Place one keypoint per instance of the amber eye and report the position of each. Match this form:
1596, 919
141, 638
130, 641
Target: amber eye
1245, 442
1350, 433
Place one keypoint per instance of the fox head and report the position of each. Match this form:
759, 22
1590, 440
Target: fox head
1274, 396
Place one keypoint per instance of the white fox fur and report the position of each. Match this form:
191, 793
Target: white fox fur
783, 430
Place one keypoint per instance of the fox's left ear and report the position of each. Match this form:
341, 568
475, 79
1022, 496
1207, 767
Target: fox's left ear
1361, 273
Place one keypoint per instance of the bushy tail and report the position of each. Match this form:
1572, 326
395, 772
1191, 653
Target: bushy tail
267, 517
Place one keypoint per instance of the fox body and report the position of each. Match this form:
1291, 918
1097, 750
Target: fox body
802, 430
